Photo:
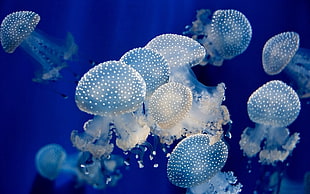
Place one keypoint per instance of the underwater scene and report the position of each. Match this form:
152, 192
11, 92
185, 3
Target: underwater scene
155, 96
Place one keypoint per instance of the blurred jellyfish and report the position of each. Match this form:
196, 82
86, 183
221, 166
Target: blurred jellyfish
207, 114
194, 161
225, 34
19, 29
52, 160
222, 182
272, 107
282, 53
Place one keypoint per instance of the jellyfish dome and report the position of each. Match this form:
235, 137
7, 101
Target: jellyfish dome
275, 104
194, 160
110, 88
151, 65
49, 160
19, 29
178, 50
224, 34
272, 107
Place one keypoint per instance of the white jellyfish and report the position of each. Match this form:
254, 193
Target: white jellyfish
114, 93
281, 53
272, 107
18, 29
224, 34
207, 114
195, 161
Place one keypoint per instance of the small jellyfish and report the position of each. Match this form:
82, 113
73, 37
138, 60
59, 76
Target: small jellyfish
110, 88
224, 35
151, 65
282, 53
272, 107
18, 29
49, 160
178, 50
194, 161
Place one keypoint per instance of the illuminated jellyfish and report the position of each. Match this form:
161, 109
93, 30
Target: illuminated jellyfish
52, 160
151, 65
207, 114
272, 107
114, 93
194, 162
168, 105
225, 34
19, 29
282, 53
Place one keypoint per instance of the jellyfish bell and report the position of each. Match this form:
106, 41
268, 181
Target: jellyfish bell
194, 161
110, 88
281, 53
225, 34
151, 65
178, 50
272, 107
18, 29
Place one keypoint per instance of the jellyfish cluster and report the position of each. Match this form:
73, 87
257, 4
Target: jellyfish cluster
152, 91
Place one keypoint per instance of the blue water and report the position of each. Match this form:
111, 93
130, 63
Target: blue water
33, 115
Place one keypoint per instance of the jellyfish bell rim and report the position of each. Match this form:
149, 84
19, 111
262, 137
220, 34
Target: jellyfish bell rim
7, 23
274, 41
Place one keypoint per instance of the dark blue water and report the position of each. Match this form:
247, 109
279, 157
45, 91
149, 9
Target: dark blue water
33, 115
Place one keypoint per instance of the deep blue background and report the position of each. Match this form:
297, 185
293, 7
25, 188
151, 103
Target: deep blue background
33, 115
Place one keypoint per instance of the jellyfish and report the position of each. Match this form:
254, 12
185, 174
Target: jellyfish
18, 29
272, 107
225, 34
168, 105
194, 161
114, 93
207, 114
281, 53
151, 65
52, 160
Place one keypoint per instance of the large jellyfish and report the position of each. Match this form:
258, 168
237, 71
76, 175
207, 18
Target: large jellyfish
227, 34
52, 160
272, 107
19, 29
195, 163
282, 53
114, 92
207, 114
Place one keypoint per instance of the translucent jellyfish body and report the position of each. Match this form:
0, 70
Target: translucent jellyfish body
19, 29
206, 113
224, 34
194, 161
272, 107
282, 53
52, 160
